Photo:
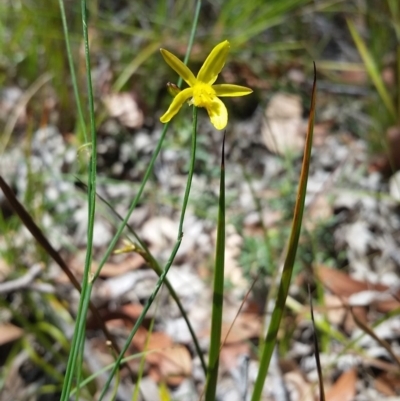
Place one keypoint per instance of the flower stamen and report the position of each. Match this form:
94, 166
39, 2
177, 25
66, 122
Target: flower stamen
203, 95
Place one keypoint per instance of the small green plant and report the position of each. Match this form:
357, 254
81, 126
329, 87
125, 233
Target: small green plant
202, 93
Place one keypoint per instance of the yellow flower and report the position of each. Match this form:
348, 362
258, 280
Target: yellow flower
201, 91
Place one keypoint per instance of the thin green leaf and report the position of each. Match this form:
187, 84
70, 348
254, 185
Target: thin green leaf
87, 285
37, 233
368, 330
372, 69
218, 294
149, 258
141, 369
316, 350
167, 266
19, 107
132, 67
77, 346
72, 71
277, 313
89, 379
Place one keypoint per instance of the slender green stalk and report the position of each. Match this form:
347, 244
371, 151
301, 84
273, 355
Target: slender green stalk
398, 80
283, 291
395, 12
157, 268
136, 392
253, 17
192, 36
132, 67
372, 69
152, 161
72, 71
79, 332
316, 351
169, 262
87, 284
18, 109
218, 296
108, 367
127, 73
150, 259
79, 370
84, 301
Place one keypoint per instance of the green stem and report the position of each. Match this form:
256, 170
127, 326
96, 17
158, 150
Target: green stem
276, 318
167, 266
87, 286
80, 328
72, 71
218, 295
150, 259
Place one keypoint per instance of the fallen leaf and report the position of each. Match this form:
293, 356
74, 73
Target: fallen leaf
132, 261
344, 286
9, 333
133, 310
336, 312
175, 364
125, 108
170, 362
298, 388
159, 232
283, 128
245, 327
344, 389
230, 355
388, 384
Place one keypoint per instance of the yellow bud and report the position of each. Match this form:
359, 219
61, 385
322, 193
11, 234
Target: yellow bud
173, 90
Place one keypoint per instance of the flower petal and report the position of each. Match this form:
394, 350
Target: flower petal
176, 104
228, 90
214, 63
181, 69
217, 113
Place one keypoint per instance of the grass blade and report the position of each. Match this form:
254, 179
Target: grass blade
37, 233
76, 352
277, 313
368, 330
72, 71
316, 350
144, 251
218, 295
19, 108
372, 69
167, 266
